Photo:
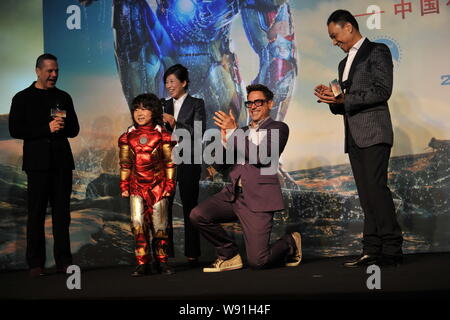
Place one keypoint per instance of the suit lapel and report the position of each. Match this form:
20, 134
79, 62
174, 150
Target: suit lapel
184, 107
341, 69
363, 51
266, 124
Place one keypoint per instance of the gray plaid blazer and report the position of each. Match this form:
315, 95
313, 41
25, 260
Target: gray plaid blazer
368, 88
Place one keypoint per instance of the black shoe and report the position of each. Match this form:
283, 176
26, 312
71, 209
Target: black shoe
164, 268
391, 261
363, 260
141, 270
153, 267
193, 263
62, 269
37, 272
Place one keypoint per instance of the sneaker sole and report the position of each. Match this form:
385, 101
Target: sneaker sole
221, 270
360, 265
138, 275
293, 264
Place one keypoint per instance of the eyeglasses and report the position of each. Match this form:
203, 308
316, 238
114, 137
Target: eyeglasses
257, 103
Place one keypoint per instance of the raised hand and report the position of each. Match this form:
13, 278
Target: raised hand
225, 121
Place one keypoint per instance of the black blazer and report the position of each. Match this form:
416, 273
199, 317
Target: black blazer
368, 88
29, 120
192, 110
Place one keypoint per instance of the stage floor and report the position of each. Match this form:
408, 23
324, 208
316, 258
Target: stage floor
421, 276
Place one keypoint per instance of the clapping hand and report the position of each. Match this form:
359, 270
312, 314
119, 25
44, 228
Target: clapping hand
326, 95
225, 122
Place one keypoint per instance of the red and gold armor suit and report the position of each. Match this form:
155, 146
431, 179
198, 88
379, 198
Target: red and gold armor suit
147, 172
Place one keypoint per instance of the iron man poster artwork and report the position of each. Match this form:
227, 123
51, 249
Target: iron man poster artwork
150, 36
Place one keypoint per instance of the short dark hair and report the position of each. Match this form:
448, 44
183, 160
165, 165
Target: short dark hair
341, 17
180, 71
45, 56
150, 102
260, 87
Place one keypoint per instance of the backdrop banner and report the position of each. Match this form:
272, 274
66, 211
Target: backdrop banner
109, 51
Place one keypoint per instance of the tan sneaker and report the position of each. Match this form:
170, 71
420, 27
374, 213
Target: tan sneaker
295, 259
225, 265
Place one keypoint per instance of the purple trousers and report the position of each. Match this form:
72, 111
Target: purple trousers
256, 227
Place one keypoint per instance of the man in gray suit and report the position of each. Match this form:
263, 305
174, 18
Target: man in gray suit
365, 76
254, 194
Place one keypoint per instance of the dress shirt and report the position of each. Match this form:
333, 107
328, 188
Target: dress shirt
254, 136
177, 103
351, 57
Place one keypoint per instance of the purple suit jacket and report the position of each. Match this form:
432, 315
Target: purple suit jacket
261, 191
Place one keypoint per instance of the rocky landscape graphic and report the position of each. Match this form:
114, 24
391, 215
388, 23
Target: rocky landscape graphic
324, 208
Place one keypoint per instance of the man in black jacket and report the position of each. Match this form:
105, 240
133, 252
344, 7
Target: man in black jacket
366, 76
44, 117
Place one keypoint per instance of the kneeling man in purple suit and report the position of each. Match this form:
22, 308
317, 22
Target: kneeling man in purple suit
254, 194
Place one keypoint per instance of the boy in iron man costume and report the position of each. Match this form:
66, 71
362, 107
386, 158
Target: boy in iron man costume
147, 177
